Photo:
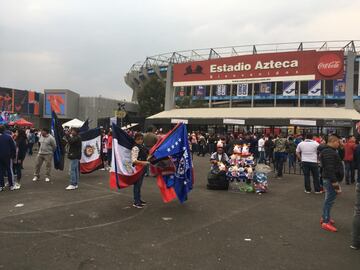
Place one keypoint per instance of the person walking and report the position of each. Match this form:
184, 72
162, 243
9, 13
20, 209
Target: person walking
21, 149
201, 145
349, 150
261, 149
306, 152
139, 155
280, 155
45, 154
291, 153
269, 150
7, 153
31, 141
333, 173
74, 155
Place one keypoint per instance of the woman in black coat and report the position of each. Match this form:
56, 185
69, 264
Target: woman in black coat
21, 148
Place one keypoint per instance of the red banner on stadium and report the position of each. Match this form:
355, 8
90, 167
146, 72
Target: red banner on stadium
266, 67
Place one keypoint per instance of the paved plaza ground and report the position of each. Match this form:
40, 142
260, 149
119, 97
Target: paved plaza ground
95, 228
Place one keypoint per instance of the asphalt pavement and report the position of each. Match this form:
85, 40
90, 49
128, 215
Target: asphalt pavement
43, 226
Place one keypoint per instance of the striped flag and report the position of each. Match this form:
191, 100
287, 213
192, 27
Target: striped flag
122, 172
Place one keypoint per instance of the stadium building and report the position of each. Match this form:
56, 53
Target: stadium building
290, 87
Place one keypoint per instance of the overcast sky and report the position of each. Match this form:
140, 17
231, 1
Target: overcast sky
88, 46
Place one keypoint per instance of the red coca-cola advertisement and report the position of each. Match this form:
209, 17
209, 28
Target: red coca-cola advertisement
265, 67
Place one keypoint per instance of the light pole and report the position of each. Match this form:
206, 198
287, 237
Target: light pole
121, 112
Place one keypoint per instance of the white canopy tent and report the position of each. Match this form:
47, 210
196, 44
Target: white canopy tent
75, 123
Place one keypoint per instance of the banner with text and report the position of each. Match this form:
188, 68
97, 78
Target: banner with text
265, 89
264, 67
200, 91
339, 88
242, 90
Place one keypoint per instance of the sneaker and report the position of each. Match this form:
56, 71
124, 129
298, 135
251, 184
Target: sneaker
318, 192
332, 222
137, 205
354, 247
11, 188
71, 187
142, 202
307, 192
35, 178
47, 179
328, 227
2, 189
17, 186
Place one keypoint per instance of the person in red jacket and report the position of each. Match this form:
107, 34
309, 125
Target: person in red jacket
349, 149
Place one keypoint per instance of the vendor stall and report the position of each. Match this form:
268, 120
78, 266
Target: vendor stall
239, 173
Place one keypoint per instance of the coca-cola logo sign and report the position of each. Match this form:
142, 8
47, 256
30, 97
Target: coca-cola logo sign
330, 65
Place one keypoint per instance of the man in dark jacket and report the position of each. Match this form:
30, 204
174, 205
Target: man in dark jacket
7, 153
74, 155
333, 173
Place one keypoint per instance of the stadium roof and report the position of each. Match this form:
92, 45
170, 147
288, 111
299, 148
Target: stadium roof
218, 52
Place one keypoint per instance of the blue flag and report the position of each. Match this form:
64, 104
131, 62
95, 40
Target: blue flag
85, 126
58, 133
176, 146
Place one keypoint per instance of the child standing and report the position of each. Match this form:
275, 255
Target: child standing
139, 154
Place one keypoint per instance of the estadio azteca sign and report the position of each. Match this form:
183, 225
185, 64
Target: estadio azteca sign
267, 67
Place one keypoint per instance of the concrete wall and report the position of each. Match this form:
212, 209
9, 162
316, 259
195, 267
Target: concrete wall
94, 108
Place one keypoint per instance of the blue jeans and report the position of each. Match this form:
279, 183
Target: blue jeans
17, 170
262, 157
313, 168
280, 158
349, 171
74, 171
330, 196
356, 219
137, 190
291, 158
6, 168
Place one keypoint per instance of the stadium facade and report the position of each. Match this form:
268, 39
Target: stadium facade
294, 87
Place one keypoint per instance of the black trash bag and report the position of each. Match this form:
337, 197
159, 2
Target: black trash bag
217, 181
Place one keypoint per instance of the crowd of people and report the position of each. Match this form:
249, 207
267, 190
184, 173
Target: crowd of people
328, 159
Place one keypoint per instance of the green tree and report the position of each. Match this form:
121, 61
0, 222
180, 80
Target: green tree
151, 98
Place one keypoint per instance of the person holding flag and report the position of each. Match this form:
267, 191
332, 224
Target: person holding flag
139, 154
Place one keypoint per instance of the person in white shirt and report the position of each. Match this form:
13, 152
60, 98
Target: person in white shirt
306, 151
261, 149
